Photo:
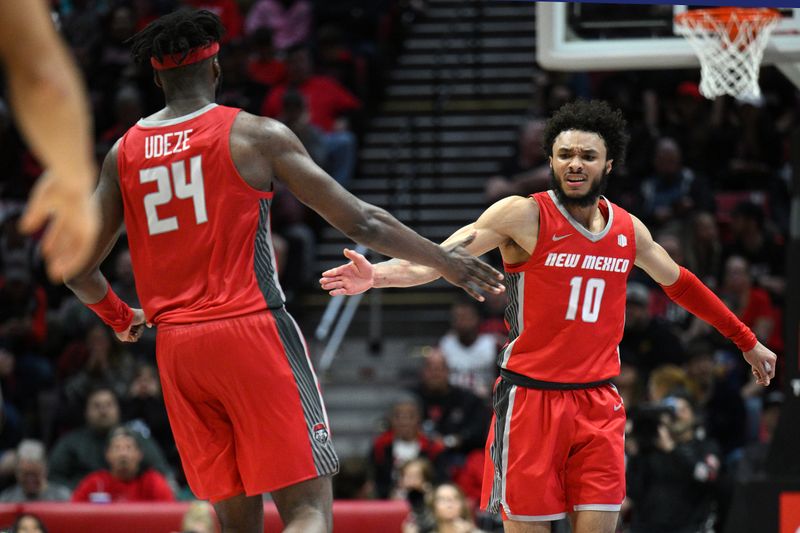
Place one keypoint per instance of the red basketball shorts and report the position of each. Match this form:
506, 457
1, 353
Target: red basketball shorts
244, 405
553, 452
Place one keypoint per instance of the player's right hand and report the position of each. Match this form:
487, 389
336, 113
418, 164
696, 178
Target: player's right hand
464, 270
355, 277
136, 328
74, 222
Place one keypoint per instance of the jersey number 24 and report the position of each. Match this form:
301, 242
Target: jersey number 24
169, 178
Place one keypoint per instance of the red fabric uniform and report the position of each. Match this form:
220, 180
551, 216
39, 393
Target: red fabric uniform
102, 487
205, 273
555, 451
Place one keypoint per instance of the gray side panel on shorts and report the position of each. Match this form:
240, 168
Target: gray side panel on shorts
325, 458
497, 449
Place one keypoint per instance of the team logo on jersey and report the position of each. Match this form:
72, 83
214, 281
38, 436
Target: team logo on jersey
320, 433
622, 240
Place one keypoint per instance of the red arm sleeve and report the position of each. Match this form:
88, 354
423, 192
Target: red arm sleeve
690, 293
113, 311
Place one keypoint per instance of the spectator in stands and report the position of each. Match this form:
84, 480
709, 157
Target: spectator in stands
673, 191
82, 451
100, 361
415, 486
114, 63
665, 381
353, 482
238, 89
671, 475
289, 20
143, 407
451, 414
751, 464
125, 286
470, 355
328, 102
647, 342
629, 386
199, 518
402, 442
28, 523
124, 481
527, 171
31, 473
229, 13
760, 246
451, 511
127, 110
264, 66
294, 114
703, 250
494, 313
718, 400
750, 303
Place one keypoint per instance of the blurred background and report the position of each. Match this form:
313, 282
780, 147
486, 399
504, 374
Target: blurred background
432, 109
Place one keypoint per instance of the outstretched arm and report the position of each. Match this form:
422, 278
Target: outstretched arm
51, 108
90, 286
493, 228
365, 223
689, 292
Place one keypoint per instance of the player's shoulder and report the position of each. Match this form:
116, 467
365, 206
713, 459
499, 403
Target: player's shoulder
264, 131
515, 206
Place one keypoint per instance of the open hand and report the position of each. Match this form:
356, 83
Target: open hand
470, 273
762, 360
136, 328
355, 277
73, 222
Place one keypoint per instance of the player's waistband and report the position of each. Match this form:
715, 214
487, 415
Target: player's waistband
233, 318
529, 383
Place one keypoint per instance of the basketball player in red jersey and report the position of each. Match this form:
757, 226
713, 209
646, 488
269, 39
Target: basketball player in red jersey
194, 182
556, 443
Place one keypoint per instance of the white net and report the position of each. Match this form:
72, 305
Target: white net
730, 45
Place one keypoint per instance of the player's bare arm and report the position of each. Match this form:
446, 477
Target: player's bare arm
51, 108
690, 293
511, 224
259, 143
90, 286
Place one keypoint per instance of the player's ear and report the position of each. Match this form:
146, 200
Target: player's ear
550, 160
216, 68
157, 79
609, 165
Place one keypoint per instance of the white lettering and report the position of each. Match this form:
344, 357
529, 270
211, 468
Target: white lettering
551, 259
166, 144
572, 260
588, 262
560, 260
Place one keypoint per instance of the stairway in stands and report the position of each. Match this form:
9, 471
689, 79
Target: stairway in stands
460, 89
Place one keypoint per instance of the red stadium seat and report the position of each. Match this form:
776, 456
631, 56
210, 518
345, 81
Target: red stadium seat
349, 516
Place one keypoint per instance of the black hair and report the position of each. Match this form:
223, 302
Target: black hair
594, 116
176, 33
123, 431
750, 210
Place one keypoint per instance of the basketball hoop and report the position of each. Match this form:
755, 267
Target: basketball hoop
730, 43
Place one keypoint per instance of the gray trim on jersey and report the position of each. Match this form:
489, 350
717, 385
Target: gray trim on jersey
505, 355
534, 518
326, 461
150, 123
598, 507
504, 396
264, 260
594, 237
515, 282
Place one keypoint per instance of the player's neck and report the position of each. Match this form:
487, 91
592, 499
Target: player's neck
585, 216
179, 103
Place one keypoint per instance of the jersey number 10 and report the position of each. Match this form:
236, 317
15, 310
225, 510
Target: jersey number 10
592, 297
167, 177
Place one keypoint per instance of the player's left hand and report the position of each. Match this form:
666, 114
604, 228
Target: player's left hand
73, 222
762, 360
136, 328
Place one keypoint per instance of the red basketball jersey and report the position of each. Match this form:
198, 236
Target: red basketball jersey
566, 308
199, 234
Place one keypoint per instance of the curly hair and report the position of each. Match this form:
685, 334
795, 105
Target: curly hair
176, 33
594, 116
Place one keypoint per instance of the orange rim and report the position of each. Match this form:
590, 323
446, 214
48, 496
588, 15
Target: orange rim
699, 17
